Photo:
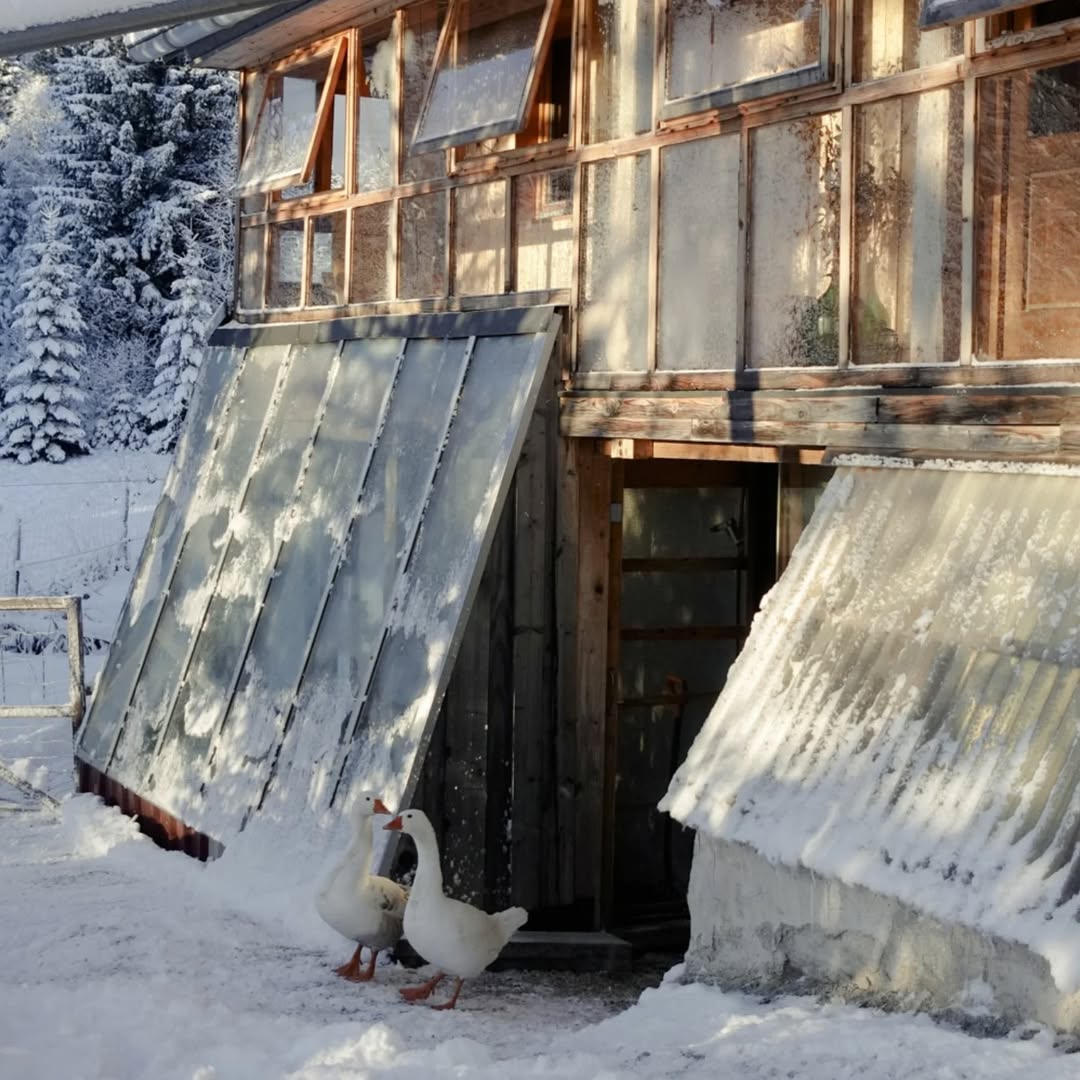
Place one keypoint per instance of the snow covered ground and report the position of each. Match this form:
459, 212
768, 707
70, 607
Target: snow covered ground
119, 960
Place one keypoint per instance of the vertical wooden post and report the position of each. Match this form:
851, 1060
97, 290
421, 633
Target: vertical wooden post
77, 688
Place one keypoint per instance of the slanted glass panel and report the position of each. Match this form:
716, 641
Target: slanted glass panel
700, 243
613, 324
1033, 19
795, 243
422, 246
191, 584
285, 126
888, 41
1027, 215
254, 533
350, 631
544, 228
444, 569
487, 66
302, 574
423, 25
327, 260
909, 166
939, 12
164, 537
620, 100
252, 267
375, 103
286, 264
722, 53
480, 237
372, 266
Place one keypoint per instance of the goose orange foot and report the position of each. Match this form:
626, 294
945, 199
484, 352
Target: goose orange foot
356, 975
453, 1000
351, 969
423, 991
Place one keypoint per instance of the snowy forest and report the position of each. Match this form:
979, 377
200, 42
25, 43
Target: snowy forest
115, 246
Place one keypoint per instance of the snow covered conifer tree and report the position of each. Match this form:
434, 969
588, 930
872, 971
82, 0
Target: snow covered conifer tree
40, 419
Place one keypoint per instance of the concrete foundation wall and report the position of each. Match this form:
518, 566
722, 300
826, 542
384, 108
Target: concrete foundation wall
755, 923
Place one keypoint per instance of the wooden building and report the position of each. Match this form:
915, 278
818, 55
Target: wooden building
717, 247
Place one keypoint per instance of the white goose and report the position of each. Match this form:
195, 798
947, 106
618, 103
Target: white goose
359, 905
459, 939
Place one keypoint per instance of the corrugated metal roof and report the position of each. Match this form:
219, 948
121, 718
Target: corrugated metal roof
906, 712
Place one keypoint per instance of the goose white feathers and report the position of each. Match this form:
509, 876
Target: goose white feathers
457, 938
359, 905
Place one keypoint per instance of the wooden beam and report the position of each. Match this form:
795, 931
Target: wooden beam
326, 107
649, 449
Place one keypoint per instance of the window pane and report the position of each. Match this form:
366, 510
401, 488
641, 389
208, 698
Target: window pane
700, 243
252, 267
371, 268
422, 246
374, 148
327, 260
909, 165
795, 243
711, 46
480, 239
544, 225
888, 41
422, 26
621, 69
1027, 215
284, 127
479, 88
286, 264
614, 320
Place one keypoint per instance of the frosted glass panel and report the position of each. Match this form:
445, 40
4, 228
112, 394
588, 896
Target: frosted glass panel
614, 319
544, 225
888, 41
192, 582
700, 243
286, 264
480, 239
378, 86
327, 260
372, 269
255, 532
620, 69
422, 246
155, 567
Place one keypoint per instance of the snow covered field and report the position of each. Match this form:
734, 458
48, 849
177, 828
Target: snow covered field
123, 961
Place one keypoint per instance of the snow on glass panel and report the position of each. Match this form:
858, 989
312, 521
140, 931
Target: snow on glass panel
372, 266
794, 317
544, 230
482, 79
284, 128
423, 26
286, 264
327, 260
252, 267
620, 69
613, 324
375, 110
713, 44
888, 40
1027, 215
909, 165
480, 255
422, 246
699, 239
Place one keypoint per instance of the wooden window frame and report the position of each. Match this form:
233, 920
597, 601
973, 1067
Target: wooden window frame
806, 77
448, 35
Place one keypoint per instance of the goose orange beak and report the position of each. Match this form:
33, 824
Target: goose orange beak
394, 825
380, 807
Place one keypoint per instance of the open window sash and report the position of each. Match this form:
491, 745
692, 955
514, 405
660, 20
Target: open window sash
483, 86
941, 12
727, 94
283, 149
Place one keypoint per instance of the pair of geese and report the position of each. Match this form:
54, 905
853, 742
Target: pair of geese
457, 938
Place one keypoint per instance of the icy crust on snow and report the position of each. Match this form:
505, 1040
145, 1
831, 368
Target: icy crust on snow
904, 715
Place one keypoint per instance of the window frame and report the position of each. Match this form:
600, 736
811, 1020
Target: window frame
337, 48
935, 13
492, 130
806, 77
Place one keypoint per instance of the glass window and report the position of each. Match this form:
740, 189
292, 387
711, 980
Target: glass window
486, 71
377, 86
252, 267
480, 256
939, 12
298, 134
286, 264
723, 53
423, 24
327, 260
795, 243
909, 166
372, 265
888, 39
620, 65
422, 246
1027, 215
544, 230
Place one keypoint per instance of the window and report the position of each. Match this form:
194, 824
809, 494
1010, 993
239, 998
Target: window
376, 94
487, 71
939, 12
297, 139
721, 54
888, 39
1046, 16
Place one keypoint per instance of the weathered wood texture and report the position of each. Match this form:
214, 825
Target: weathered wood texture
1035, 424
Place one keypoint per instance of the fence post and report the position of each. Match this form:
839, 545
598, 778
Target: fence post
18, 552
127, 511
